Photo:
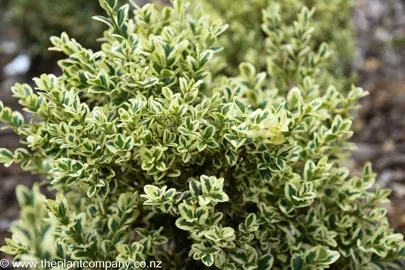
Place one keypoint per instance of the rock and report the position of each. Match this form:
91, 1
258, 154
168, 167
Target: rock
20, 65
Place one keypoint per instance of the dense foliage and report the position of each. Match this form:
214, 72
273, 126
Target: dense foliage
259, 27
154, 155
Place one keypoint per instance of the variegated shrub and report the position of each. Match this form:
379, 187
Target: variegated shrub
152, 156
262, 32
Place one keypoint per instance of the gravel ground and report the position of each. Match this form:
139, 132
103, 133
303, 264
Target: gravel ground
380, 132
380, 127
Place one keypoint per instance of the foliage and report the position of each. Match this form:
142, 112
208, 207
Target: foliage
154, 157
275, 38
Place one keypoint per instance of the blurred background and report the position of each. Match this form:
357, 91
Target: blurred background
26, 25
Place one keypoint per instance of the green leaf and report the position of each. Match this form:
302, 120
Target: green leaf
151, 191
209, 132
265, 262
183, 224
111, 3
297, 262
6, 115
119, 141
206, 56
251, 222
122, 14
240, 105
5, 156
91, 191
315, 104
104, 20
207, 183
195, 188
150, 82
17, 119
309, 170
187, 212
247, 70
208, 259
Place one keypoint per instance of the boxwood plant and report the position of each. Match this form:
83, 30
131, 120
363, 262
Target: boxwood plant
251, 21
152, 156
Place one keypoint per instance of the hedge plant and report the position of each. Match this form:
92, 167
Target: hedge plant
250, 22
152, 156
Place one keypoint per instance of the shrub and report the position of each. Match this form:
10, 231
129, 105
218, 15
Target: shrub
248, 39
154, 157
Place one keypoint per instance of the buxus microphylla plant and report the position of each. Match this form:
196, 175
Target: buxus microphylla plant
153, 157
260, 27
